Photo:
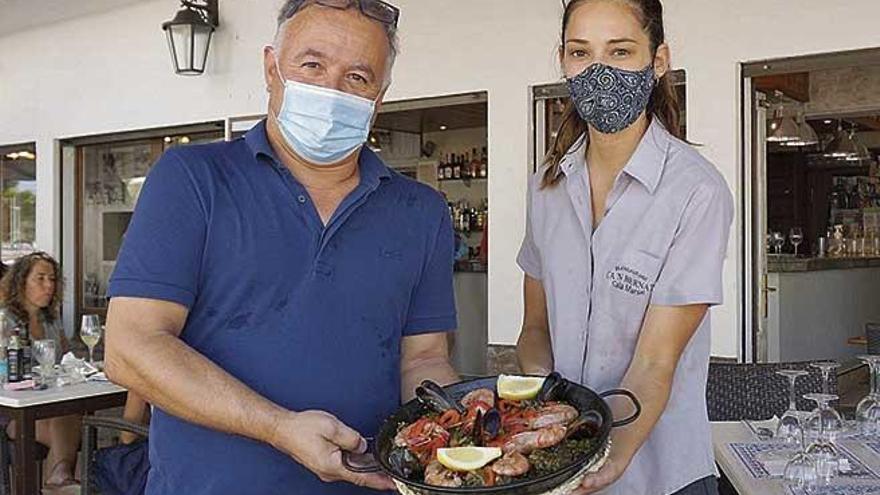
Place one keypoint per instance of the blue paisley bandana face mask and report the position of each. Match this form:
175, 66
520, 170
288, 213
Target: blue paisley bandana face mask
611, 99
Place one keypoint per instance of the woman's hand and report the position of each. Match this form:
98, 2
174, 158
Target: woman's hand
610, 472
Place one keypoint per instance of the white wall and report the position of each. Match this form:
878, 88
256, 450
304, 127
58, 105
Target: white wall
110, 72
813, 314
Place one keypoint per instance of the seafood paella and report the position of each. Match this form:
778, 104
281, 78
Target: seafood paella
516, 432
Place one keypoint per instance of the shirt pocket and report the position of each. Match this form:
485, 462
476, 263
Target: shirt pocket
628, 282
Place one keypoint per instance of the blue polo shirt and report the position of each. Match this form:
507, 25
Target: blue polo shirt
309, 316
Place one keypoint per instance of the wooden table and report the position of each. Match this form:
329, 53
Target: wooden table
860, 341
25, 407
725, 433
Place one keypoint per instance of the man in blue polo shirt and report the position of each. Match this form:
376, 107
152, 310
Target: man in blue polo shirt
277, 296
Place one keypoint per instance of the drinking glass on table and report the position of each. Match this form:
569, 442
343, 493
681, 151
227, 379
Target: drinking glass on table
868, 410
790, 428
44, 353
90, 333
827, 367
800, 470
796, 236
825, 422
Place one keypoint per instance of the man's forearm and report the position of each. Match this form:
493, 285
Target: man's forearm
172, 376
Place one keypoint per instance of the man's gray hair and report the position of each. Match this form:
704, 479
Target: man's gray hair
291, 7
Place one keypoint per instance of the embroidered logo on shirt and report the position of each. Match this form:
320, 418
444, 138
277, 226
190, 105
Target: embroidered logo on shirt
629, 280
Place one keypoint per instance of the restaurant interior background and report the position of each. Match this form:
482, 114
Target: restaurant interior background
88, 94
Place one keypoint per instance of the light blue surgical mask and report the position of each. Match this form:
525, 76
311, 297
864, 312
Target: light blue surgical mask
322, 125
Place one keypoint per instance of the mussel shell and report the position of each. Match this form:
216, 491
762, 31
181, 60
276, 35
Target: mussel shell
587, 425
435, 398
477, 433
491, 424
404, 463
553, 388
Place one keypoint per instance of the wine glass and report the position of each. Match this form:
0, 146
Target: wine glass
827, 367
796, 236
90, 333
800, 470
789, 428
868, 410
825, 421
777, 240
44, 353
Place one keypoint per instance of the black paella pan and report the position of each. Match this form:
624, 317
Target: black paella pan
589, 403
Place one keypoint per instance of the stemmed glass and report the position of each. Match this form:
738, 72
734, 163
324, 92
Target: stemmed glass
789, 428
868, 410
825, 421
44, 353
827, 367
777, 240
90, 333
796, 236
800, 470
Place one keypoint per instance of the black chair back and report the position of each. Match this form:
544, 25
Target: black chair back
872, 332
755, 392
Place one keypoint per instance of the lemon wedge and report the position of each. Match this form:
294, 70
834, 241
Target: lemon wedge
512, 387
467, 458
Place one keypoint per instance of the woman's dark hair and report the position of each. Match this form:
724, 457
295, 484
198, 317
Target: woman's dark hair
663, 105
14, 284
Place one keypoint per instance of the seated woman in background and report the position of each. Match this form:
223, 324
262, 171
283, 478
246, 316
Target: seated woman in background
31, 295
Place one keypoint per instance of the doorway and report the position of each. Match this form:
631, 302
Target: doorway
811, 203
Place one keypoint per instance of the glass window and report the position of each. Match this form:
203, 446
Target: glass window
18, 208
110, 177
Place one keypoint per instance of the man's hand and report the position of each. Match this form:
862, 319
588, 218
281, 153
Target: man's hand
316, 440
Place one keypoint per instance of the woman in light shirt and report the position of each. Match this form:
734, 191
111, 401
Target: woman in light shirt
31, 295
625, 242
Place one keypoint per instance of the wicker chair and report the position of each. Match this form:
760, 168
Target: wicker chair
91, 424
754, 391
872, 333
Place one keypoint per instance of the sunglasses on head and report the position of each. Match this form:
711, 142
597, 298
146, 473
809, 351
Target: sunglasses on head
378, 10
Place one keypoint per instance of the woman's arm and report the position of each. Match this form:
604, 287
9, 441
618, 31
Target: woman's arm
533, 349
664, 336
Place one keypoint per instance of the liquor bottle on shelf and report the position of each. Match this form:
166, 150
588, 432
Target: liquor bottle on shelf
440, 166
474, 167
484, 164
465, 218
456, 170
447, 170
466, 167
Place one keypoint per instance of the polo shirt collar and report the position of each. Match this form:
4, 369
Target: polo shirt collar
372, 169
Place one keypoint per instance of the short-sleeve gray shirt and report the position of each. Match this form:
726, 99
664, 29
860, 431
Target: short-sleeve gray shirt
662, 241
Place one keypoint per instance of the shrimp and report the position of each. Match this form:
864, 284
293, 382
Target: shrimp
483, 395
553, 414
437, 475
420, 433
527, 441
511, 465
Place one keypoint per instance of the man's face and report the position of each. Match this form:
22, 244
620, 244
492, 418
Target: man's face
332, 48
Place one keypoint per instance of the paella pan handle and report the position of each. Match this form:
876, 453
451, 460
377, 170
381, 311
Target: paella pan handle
361, 463
629, 395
